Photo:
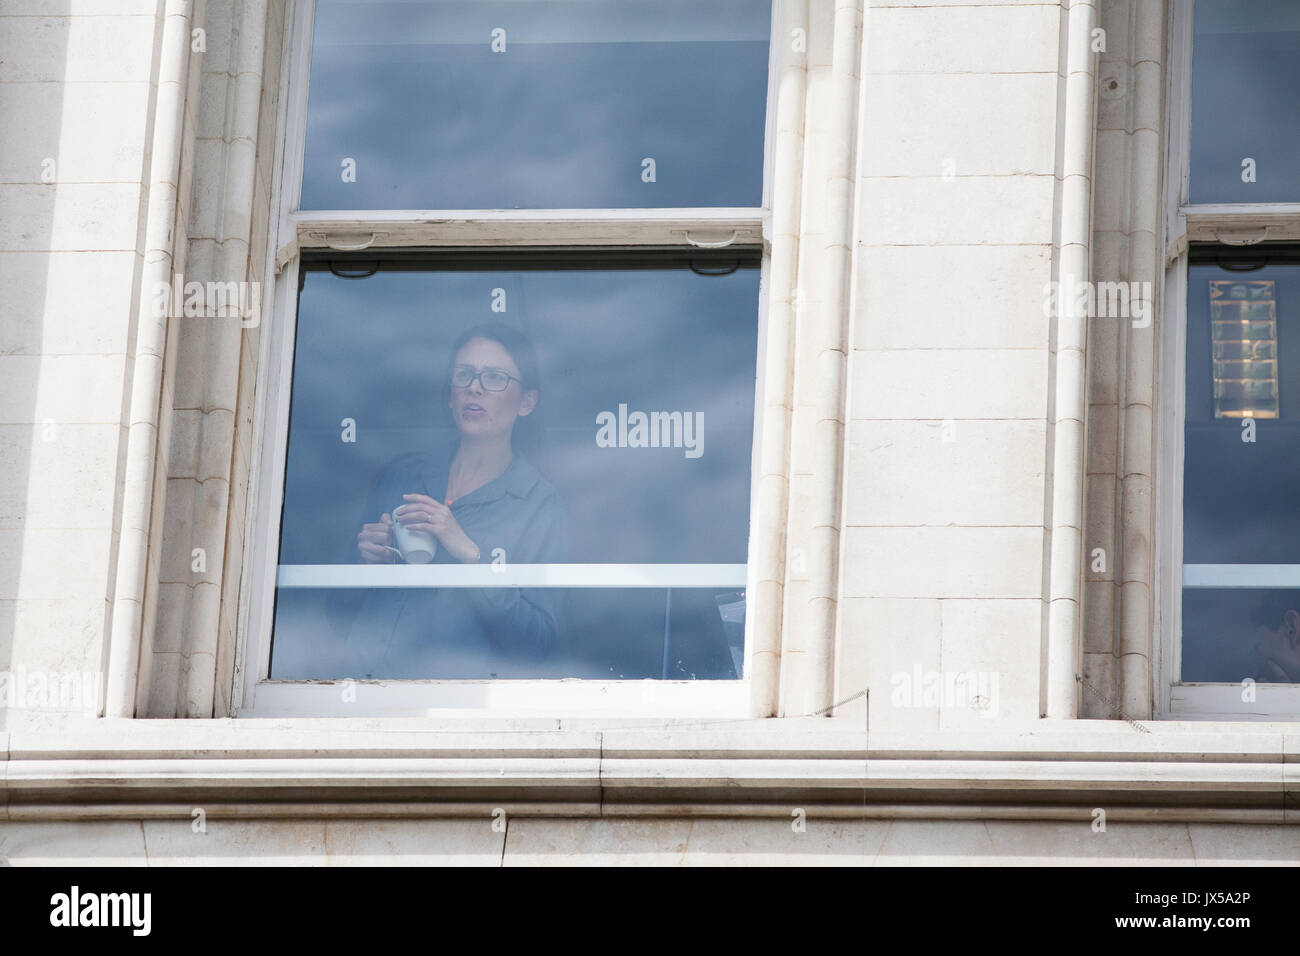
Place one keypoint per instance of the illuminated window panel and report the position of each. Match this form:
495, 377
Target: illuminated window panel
1243, 328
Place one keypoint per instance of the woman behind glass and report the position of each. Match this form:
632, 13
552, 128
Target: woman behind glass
485, 503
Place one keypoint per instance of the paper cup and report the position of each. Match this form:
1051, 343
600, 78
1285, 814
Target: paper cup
416, 547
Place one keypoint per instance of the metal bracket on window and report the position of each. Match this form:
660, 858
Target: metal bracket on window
713, 272
1235, 266
339, 244
1241, 237
713, 244
356, 273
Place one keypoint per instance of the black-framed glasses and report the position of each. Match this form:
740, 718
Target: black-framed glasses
493, 379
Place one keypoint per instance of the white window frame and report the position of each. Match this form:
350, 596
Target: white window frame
290, 232
1232, 224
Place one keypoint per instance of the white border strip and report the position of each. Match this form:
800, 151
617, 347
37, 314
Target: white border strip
505, 699
511, 575
1241, 575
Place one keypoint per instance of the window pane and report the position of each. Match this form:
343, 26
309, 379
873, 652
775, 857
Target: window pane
1242, 457
605, 634
1245, 74
527, 104
631, 471
1241, 634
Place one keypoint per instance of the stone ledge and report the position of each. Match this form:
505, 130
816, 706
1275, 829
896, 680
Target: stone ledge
159, 769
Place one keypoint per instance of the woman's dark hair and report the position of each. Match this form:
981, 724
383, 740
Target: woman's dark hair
527, 436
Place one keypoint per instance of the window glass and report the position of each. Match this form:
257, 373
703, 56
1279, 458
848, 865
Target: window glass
612, 545
1241, 511
524, 104
1245, 74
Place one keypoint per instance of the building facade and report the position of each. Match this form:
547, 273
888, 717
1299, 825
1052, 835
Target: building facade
990, 549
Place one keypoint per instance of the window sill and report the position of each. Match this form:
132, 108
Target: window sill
469, 700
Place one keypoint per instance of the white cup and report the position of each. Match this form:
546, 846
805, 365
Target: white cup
415, 547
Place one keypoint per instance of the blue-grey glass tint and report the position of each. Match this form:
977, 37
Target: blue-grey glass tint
1241, 461
611, 343
1231, 634
533, 104
1245, 77
605, 634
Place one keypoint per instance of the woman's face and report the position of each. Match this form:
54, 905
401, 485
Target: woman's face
479, 413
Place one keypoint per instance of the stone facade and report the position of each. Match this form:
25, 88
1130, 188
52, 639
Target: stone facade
941, 672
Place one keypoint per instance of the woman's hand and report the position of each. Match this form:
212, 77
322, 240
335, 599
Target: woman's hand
422, 513
373, 541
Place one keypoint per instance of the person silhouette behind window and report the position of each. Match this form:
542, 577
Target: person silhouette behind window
1277, 626
485, 502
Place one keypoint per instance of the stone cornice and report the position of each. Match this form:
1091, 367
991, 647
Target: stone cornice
295, 769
